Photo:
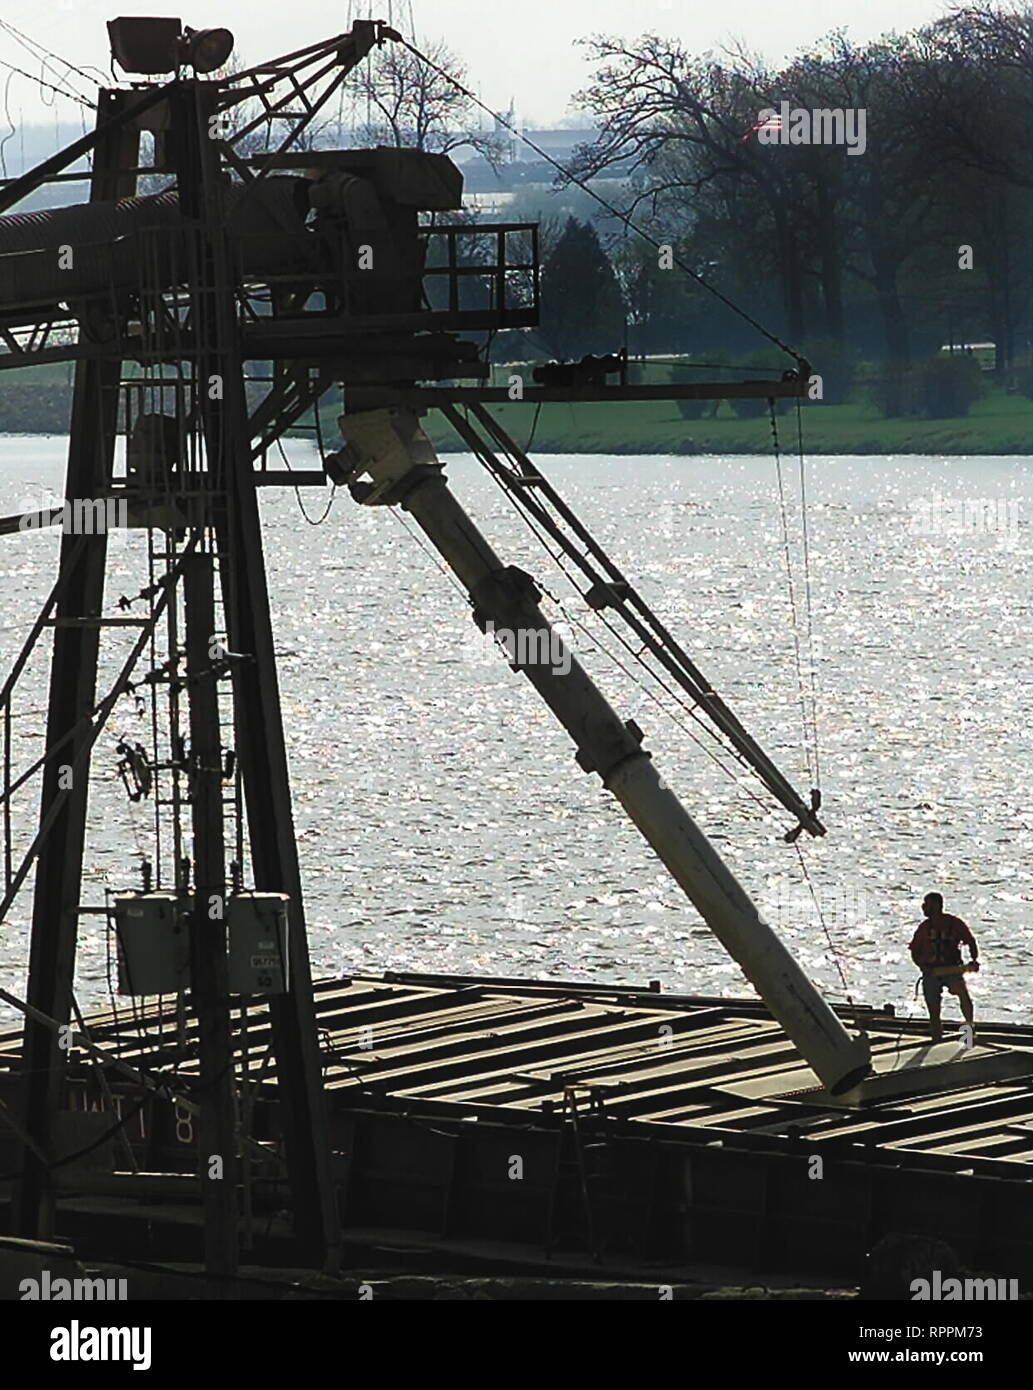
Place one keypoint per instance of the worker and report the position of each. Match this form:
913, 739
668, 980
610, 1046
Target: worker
935, 949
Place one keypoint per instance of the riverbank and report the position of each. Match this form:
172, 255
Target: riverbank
1000, 423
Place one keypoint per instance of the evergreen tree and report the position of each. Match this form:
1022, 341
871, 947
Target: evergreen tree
582, 307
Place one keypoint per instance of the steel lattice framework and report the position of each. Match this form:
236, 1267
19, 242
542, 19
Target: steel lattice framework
205, 321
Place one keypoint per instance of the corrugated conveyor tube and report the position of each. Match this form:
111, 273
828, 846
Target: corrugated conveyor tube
62, 255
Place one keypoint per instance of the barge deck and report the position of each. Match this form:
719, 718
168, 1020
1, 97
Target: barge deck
568, 1123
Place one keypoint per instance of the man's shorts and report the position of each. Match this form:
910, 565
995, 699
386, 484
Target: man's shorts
933, 985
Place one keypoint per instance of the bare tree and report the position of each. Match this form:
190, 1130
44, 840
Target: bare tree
408, 103
969, 92
678, 121
948, 131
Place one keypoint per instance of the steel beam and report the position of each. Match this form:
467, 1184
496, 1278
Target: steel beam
208, 964
116, 113
260, 744
73, 681
437, 397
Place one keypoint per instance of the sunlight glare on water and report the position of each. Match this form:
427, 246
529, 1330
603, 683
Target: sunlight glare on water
443, 823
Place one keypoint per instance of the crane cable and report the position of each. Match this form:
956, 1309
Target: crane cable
630, 225
824, 924
36, 49
807, 592
637, 655
814, 770
46, 58
625, 220
60, 91
812, 761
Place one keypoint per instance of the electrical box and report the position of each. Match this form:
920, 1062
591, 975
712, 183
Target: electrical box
256, 927
153, 934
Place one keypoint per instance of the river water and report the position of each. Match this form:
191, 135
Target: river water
442, 821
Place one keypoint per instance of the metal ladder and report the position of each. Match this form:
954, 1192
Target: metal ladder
567, 1164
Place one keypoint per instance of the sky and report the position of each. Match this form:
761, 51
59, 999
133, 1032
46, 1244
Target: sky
522, 50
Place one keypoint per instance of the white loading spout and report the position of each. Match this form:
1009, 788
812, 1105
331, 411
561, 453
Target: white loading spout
388, 448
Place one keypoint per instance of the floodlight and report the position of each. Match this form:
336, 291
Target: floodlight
152, 45
142, 45
206, 49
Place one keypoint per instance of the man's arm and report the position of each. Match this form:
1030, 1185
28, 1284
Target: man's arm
914, 946
965, 938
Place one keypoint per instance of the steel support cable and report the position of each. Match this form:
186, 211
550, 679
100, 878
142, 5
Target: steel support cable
320, 445
664, 646
7, 118
46, 67
824, 924
323, 462
30, 44
659, 640
792, 593
8, 833
297, 490
534, 427
811, 654
623, 218
435, 558
705, 748
538, 523
635, 655
513, 483
807, 590
68, 95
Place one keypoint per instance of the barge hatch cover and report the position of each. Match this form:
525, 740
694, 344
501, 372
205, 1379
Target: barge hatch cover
699, 1149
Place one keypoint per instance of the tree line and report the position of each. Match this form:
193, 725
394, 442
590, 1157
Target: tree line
878, 255
919, 241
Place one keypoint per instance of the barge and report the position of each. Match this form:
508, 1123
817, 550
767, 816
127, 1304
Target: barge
518, 1125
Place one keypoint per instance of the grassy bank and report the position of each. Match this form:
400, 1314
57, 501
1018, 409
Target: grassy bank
998, 424
37, 401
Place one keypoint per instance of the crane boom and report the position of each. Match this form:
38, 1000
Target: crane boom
400, 467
